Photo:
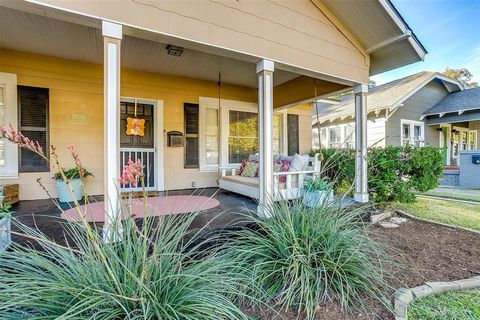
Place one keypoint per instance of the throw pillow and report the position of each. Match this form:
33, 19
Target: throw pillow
282, 166
242, 166
297, 163
306, 161
250, 169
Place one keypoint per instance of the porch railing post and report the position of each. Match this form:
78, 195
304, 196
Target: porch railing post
112, 38
265, 70
361, 178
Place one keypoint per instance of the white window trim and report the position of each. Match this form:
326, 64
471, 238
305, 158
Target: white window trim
223, 114
9, 82
475, 139
412, 124
343, 136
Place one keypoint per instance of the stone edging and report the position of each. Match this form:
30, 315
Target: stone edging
403, 296
403, 213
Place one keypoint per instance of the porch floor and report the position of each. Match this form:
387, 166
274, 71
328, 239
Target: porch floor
44, 215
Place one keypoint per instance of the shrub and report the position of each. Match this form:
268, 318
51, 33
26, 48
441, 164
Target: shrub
304, 256
149, 274
394, 173
316, 184
72, 173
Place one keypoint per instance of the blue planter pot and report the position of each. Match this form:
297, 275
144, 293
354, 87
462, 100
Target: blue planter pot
317, 198
5, 235
64, 194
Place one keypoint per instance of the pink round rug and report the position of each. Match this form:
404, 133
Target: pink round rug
156, 206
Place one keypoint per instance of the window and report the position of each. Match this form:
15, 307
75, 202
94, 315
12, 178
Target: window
212, 141
277, 133
464, 140
33, 123
293, 134
473, 140
228, 132
242, 135
349, 131
191, 135
413, 133
2, 124
334, 137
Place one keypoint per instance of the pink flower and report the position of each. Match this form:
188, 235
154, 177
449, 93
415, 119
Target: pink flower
19, 139
131, 173
76, 159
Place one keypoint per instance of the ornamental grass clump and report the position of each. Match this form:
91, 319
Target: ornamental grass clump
302, 257
155, 269
151, 272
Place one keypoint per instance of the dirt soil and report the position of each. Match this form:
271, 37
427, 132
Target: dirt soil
422, 252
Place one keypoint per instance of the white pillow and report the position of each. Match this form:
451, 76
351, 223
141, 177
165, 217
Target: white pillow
297, 163
306, 159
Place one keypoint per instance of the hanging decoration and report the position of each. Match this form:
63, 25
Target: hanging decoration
135, 126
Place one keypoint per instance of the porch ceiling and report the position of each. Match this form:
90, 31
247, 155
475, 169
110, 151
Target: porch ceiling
28, 32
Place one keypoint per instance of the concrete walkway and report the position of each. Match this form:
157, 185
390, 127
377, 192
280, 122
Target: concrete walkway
455, 193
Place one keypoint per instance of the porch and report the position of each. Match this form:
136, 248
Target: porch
44, 215
93, 74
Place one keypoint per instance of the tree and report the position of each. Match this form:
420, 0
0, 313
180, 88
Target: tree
462, 75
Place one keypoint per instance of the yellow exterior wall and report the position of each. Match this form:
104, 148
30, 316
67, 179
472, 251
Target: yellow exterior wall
77, 87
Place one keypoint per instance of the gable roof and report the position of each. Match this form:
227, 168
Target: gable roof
382, 30
386, 96
456, 102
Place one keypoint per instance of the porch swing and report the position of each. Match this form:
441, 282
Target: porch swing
287, 185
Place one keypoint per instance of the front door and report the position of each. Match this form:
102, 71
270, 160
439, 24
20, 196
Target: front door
135, 147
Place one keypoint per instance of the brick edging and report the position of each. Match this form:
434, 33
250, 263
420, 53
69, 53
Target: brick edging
403, 213
404, 296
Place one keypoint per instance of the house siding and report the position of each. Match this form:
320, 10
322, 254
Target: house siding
78, 87
412, 109
295, 33
375, 132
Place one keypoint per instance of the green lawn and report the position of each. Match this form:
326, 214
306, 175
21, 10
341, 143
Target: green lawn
455, 305
450, 212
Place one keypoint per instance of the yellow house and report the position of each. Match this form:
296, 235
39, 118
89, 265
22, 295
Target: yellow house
72, 72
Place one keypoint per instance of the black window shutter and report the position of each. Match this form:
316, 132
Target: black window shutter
191, 119
33, 123
293, 134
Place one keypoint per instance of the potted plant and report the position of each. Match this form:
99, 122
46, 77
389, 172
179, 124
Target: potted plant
5, 223
317, 191
74, 179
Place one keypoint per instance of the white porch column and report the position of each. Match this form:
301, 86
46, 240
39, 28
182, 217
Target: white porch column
265, 70
361, 179
112, 37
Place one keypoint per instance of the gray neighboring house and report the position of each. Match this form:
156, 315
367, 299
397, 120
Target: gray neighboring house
425, 108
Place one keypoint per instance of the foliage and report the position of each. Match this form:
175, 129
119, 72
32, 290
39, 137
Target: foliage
447, 306
462, 75
5, 208
151, 273
394, 173
445, 211
304, 256
72, 173
316, 184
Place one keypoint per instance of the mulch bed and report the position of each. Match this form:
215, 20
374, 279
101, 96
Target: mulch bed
423, 252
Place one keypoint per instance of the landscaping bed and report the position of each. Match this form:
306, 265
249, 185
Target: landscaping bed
424, 252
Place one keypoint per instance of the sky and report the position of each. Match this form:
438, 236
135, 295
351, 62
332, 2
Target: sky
448, 29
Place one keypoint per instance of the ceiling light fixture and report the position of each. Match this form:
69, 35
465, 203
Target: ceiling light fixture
174, 50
